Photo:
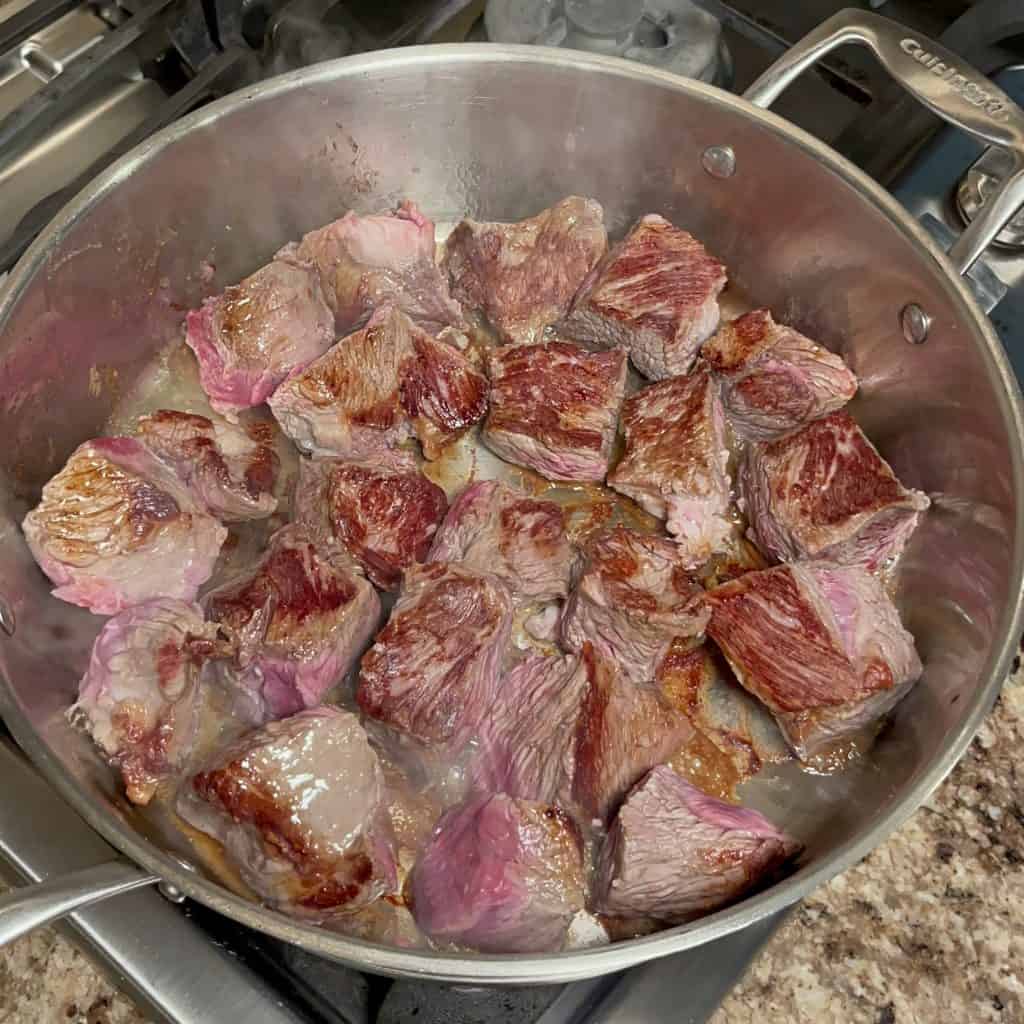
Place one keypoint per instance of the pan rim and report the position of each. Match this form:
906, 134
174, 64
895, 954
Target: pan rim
584, 963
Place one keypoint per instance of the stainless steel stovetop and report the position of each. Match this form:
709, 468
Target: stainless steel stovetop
80, 84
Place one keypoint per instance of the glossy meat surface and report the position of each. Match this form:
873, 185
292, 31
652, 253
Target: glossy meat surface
299, 807
115, 527
774, 379
301, 618
257, 333
522, 276
821, 645
674, 853
366, 261
655, 295
633, 597
139, 696
554, 408
825, 492
432, 673
501, 876
384, 515
229, 469
674, 465
493, 527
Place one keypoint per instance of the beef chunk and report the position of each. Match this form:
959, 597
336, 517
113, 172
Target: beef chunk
255, 334
500, 875
527, 746
494, 528
366, 262
385, 515
674, 853
655, 295
633, 597
674, 465
523, 276
773, 378
139, 697
301, 618
554, 408
433, 672
115, 527
623, 731
299, 808
825, 492
821, 645
695, 680
378, 387
230, 469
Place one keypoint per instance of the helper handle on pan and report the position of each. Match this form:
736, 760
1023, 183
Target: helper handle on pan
943, 83
31, 906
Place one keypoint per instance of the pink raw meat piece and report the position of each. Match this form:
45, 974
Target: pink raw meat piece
674, 465
230, 469
493, 527
633, 597
655, 295
299, 807
301, 618
825, 492
368, 261
522, 276
673, 853
257, 333
139, 697
115, 527
821, 645
773, 378
500, 875
554, 408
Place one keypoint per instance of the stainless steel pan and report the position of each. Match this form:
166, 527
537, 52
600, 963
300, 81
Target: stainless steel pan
502, 132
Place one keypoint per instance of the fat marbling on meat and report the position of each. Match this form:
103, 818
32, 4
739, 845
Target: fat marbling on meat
522, 276
675, 462
774, 379
257, 333
299, 807
230, 469
368, 261
378, 387
554, 407
116, 527
139, 697
623, 730
825, 492
432, 673
384, 514
527, 741
493, 527
499, 875
821, 645
655, 295
633, 597
674, 853
301, 618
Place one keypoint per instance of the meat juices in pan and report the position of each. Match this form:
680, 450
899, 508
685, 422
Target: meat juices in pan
655, 295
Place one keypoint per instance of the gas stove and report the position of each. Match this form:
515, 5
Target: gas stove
82, 83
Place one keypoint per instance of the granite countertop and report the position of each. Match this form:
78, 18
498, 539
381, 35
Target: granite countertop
929, 927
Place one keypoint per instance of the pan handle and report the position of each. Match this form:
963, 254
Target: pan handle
31, 906
940, 80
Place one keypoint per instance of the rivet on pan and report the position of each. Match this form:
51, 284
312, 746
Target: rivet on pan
6, 617
915, 323
170, 892
719, 161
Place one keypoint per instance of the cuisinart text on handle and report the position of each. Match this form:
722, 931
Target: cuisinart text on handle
972, 92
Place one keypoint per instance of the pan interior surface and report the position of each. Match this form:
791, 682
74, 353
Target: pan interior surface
499, 133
